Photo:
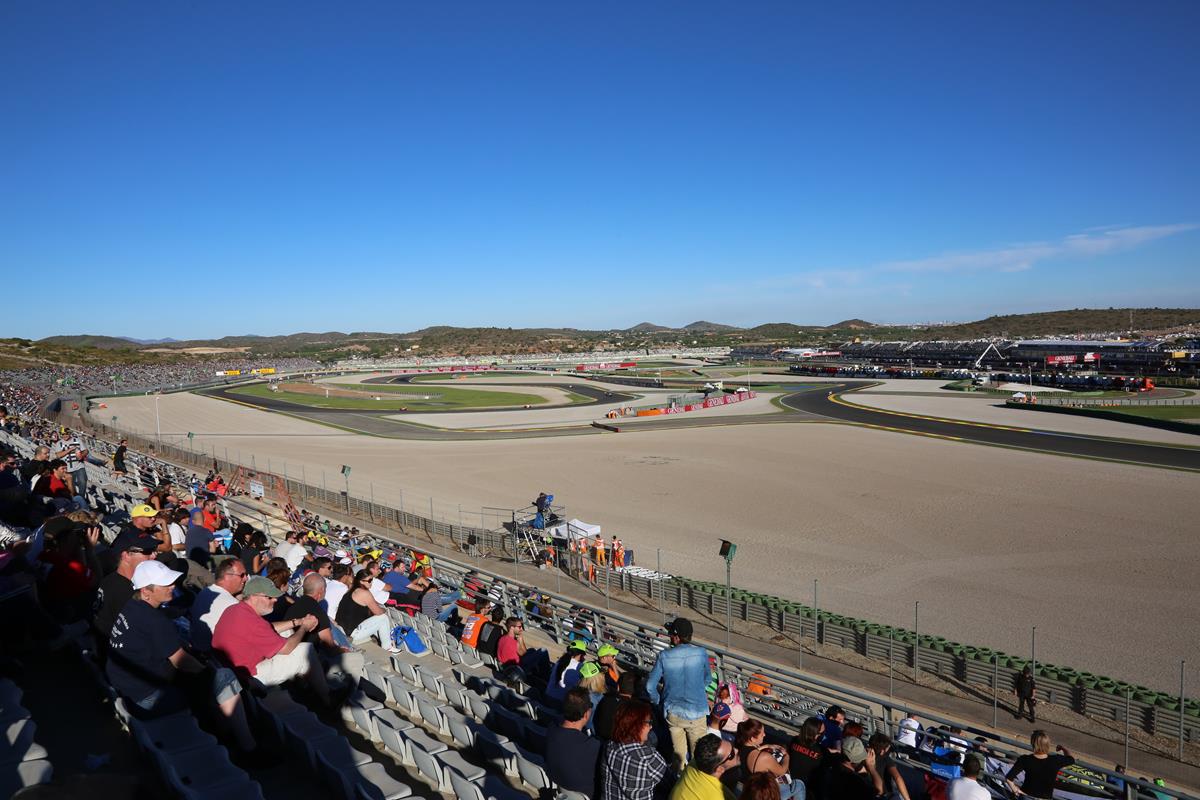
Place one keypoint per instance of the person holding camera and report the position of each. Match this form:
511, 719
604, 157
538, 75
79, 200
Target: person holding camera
758, 756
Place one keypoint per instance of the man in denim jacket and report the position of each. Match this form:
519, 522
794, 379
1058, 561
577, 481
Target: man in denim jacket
684, 674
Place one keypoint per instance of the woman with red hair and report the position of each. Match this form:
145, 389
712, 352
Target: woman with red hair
632, 769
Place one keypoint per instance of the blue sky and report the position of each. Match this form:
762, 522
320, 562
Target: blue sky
193, 169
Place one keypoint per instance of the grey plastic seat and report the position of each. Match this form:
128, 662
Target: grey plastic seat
406, 670
17, 742
347, 778
452, 760
374, 683
304, 732
567, 794
243, 789
201, 772
402, 696
357, 710
177, 733
488, 788
532, 770
431, 683
480, 708
431, 714
456, 696
402, 743
26, 773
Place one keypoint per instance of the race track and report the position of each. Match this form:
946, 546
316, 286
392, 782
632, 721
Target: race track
831, 404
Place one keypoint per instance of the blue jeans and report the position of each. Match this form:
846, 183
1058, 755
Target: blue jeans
448, 606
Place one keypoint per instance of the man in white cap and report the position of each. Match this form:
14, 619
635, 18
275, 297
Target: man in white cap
272, 653
147, 659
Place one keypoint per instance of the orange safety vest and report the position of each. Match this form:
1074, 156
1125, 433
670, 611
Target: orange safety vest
472, 628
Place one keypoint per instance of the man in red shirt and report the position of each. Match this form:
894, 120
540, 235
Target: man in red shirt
511, 647
272, 653
212, 517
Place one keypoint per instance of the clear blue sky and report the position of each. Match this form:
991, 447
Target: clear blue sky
196, 169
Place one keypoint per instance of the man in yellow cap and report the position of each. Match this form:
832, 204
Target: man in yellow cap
144, 521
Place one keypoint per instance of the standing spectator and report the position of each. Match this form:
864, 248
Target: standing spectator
713, 758
968, 786
1026, 693
565, 674
252, 644
74, 570
1039, 768
118, 459
72, 451
632, 769
571, 755
684, 674
606, 657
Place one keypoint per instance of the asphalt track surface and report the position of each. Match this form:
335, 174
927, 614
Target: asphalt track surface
829, 404
816, 403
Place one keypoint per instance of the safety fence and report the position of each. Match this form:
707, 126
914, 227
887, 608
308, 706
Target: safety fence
1154, 712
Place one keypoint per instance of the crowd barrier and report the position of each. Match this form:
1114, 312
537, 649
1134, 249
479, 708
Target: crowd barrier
1154, 712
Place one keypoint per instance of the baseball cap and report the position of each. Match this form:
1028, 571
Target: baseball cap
134, 539
260, 585
589, 669
680, 627
154, 573
854, 749
579, 645
721, 711
607, 650
143, 510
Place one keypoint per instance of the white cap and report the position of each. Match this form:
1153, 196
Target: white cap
340, 554
154, 573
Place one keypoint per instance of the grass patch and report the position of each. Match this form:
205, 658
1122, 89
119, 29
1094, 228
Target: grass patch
400, 397
1159, 412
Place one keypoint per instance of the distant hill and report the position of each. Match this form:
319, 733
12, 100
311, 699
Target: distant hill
703, 326
86, 340
1066, 323
481, 342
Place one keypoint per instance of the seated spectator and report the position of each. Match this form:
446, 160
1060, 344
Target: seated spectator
131, 548
968, 787
214, 600
510, 648
336, 586
760, 786
433, 603
910, 731
248, 642
571, 755
703, 778
489, 636
74, 569
177, 520
279, 577
396, 578
893, 782
606, 657
632, 769
852, 773
199, 543
565, 674
332, 649
756, 755
254, 553
835, 717
361, 617
807, 754
605, 714
473, 624
53, 485
147, 662
728, 694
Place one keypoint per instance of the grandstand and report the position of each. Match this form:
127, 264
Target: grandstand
450, 722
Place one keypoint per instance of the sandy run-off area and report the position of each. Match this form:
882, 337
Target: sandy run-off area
1101, 557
